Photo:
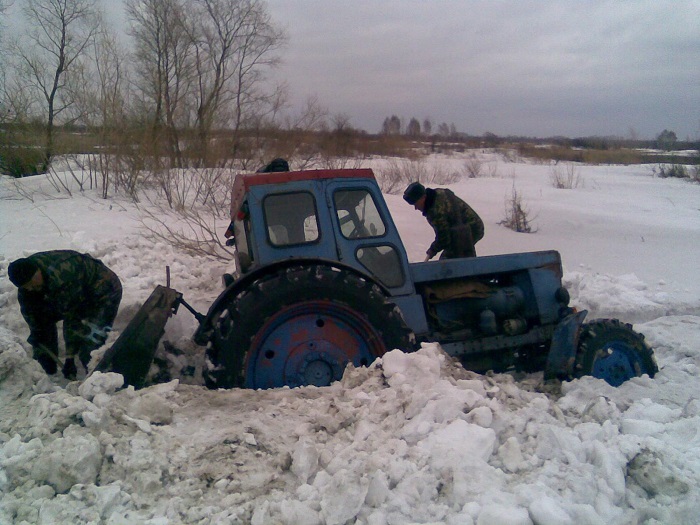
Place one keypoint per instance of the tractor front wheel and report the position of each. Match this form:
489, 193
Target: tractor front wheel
611, 350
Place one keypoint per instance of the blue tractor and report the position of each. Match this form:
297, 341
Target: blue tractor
323, 280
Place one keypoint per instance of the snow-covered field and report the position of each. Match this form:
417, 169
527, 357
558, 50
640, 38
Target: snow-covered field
413, 438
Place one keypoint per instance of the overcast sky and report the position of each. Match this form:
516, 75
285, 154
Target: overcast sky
537, 68
511, 67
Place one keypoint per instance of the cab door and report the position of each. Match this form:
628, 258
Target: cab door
367, 238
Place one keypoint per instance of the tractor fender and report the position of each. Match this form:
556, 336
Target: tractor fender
562, 352
203, 332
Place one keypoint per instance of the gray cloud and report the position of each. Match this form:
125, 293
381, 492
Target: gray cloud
511, 67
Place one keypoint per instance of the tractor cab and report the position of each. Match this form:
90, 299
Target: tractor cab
327, 214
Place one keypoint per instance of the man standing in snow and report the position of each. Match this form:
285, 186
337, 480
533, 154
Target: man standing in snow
457, 226
64, 285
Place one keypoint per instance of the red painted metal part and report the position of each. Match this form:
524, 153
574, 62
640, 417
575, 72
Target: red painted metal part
243, 182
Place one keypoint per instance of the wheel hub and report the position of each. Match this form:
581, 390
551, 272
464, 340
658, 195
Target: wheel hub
310, 344
317, 369
616, 363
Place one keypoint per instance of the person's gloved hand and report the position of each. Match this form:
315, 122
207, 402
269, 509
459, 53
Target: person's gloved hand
69, 369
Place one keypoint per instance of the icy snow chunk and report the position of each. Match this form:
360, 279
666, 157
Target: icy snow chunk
298, 513
100, 383
304, 460
546, 511
378, 490
648, 410
420, 369
96, 418
641, 427
459, 443
554, 442
481, 416
107, 498
143, 426
150, 407
343, 495
75, 458
503, 515
650, 473
472, 384
511, 454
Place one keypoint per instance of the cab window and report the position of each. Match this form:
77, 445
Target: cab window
291, 218
383, 262
243, 236
358, 215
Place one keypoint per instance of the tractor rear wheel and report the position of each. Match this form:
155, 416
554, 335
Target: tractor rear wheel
301, 326
611, 350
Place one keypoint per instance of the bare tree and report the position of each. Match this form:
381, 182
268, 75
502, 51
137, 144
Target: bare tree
49, 55
391, 125
413, 128
427, 127
104, 102
4, 107
237, 44
200, 65
163, 68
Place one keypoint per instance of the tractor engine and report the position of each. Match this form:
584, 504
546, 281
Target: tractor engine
483, 308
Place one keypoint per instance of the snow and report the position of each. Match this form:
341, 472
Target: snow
413, 438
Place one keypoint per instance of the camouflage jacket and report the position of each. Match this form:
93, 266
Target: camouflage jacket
444, 211
76, 286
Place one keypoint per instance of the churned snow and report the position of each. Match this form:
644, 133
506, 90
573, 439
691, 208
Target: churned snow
413, 438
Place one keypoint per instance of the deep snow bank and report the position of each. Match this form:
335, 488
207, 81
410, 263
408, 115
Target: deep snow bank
412, 439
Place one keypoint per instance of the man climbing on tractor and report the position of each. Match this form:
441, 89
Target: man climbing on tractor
457, 226
64, 285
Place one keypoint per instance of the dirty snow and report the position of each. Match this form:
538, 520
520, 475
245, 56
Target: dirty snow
412, 438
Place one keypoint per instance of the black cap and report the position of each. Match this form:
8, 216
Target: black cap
414, 192
275, 166
21, 271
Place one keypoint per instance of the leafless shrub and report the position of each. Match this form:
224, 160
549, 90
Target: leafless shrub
117, 173
566, 177
67, 173
336, 163
398, 174
194, 230
21, 191
671, 170
474, 167
191, 209
517, 215
509, 155
492, 169
186, 189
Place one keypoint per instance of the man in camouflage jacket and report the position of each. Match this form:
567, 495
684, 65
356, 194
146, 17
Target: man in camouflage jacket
64, 285
457, 226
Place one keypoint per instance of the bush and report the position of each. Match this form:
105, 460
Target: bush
473, 167
671, 170
565, 178
21, 161
400, 173
517, 215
